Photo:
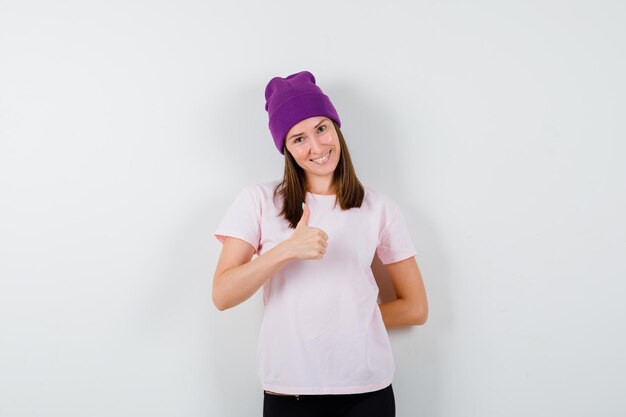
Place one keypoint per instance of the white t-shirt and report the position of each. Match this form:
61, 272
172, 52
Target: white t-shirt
322, 329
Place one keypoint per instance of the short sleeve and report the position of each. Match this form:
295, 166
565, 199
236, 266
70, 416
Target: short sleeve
395, 242
242, 220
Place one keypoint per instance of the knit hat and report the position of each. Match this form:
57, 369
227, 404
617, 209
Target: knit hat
292, 99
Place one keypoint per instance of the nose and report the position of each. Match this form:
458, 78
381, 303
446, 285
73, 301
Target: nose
317, 147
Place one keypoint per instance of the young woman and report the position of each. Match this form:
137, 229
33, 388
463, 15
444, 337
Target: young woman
323, 346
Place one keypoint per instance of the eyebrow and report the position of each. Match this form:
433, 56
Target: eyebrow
298, 134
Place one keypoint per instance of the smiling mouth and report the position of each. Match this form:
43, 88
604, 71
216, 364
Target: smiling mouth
322, 159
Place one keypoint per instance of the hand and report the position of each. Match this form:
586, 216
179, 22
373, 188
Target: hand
308, 242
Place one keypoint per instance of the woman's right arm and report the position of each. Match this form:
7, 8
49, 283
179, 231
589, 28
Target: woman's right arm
237, 278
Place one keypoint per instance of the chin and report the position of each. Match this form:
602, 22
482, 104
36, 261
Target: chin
325, 170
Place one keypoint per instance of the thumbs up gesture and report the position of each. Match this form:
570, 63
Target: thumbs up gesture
308, 242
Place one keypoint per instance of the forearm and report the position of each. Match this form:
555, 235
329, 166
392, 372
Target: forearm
399, 313
237, 284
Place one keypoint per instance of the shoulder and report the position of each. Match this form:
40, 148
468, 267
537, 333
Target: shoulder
376, 198
381, 205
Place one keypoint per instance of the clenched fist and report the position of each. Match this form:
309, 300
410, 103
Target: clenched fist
307, 242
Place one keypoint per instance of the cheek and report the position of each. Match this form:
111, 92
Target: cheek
332, 140
337, 149
300, 156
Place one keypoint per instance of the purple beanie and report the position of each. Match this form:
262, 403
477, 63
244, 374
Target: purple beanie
292, 99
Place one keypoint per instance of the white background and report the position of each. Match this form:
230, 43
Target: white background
127, 128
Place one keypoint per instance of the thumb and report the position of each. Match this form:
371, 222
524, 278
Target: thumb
304, 220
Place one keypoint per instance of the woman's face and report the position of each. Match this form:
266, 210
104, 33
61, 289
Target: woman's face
314, 144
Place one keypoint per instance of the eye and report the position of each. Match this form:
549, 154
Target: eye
322, 126
296, 139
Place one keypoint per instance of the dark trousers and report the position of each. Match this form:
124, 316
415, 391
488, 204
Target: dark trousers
379, 403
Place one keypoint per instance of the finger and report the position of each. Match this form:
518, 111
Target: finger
320, 233
306, 213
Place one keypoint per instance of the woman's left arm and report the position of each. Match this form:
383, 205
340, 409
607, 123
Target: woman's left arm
411, 307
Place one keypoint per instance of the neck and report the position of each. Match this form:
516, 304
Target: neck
321, 186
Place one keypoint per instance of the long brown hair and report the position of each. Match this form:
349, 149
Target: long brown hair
350, 191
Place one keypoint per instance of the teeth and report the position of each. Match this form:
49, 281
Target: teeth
322, 159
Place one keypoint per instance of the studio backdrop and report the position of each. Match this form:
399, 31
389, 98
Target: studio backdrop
128, 127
